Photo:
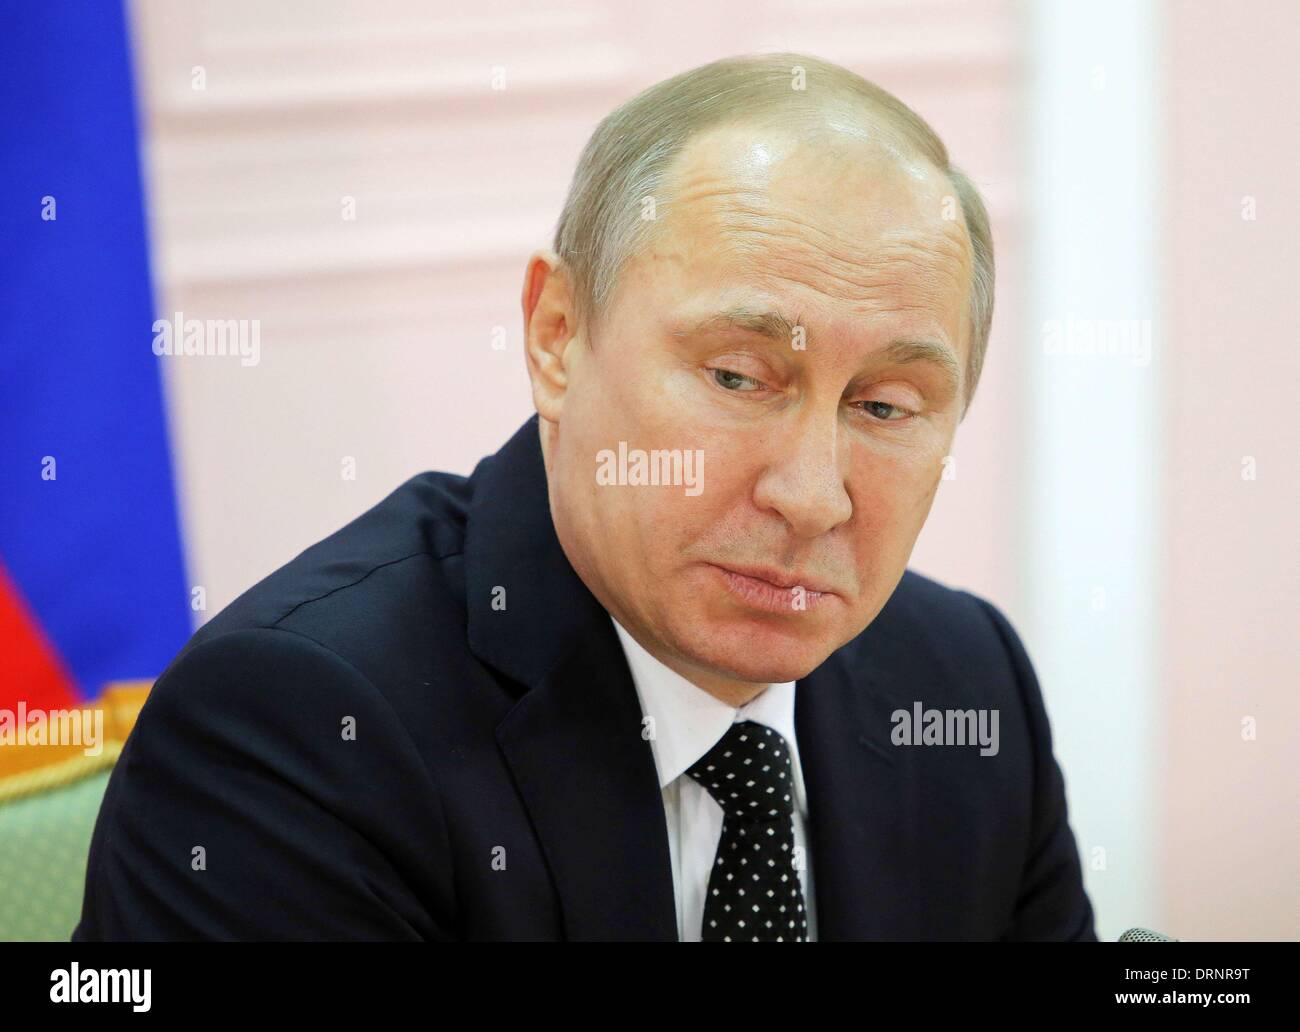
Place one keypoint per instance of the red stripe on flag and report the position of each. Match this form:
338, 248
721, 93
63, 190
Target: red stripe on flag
30, 669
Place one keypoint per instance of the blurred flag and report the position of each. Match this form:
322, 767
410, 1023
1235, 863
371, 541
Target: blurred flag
92, 583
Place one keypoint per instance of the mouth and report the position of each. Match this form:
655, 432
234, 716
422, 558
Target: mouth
773, 591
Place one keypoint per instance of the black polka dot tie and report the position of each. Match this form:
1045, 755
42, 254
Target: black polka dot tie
754, 894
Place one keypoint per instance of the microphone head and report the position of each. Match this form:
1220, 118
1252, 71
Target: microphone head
1145, 935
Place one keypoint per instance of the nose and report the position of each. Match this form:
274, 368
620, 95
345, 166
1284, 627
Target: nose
803, 481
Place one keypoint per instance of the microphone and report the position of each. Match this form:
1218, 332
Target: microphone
1145, 935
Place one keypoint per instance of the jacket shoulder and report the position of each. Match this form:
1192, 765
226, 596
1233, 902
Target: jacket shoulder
377, 574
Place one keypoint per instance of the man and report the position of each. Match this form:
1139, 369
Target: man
650, 672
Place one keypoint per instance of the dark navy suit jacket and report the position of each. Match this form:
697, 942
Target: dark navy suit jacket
498, 785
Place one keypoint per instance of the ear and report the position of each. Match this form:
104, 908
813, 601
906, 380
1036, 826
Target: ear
550, 327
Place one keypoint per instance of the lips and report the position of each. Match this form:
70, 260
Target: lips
779, 579
773, 593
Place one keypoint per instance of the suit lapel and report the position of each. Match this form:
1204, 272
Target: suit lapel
573, 740
588, 779
858, 819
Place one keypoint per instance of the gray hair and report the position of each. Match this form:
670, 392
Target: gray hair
633, 147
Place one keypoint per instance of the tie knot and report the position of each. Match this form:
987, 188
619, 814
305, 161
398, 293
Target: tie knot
749, 772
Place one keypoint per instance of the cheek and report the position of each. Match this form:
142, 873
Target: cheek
642, 528
893, 499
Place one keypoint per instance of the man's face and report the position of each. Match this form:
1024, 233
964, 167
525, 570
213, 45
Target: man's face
822, 440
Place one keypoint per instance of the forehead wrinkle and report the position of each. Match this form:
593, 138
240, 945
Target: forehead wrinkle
726, 194
746, 213
868, 277
927, 265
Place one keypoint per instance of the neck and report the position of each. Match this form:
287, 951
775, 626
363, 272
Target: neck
725, 689
734, 693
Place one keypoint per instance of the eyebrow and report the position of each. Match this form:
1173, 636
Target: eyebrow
777, 328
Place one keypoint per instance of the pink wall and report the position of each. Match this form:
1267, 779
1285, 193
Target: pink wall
1231, 819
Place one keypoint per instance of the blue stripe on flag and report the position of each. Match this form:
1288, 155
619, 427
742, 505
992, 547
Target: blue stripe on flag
96, 552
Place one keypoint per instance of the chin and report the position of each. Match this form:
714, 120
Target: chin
757, 651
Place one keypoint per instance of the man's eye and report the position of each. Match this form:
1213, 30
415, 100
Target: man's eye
734, 381
885, 412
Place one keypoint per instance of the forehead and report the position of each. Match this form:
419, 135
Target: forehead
843, 221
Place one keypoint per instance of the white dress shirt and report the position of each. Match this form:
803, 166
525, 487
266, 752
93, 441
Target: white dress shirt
687, 723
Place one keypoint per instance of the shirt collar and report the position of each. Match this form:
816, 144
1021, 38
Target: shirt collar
688, 721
